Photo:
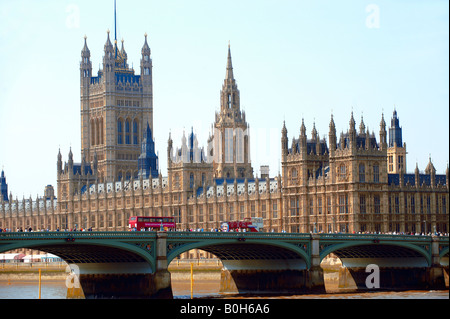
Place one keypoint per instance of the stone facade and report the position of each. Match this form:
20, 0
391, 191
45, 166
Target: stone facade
340, 186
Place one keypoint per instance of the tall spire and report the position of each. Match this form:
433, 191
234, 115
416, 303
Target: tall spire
229, 73
115, 28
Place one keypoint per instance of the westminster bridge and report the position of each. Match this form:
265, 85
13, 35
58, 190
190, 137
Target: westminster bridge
135, 264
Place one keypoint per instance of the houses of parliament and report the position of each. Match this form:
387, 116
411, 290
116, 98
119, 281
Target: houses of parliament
354, 182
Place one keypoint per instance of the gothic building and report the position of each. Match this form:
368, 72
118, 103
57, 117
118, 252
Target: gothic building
231, 132
355, 181
116, 106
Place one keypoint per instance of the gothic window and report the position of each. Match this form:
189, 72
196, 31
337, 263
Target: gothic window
119, 131
444, 204
98, 131
396, 204
376, 204
92, 132
343, 204
102, 138
274, 210
376, 173
110, 220
191, 181
362, 173
413, 205
128, 131
342, 172
135, 132
362, 204
294, 209
229, 101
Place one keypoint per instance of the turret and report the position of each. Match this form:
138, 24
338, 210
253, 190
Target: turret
332, 136
431, 170
59, 163
147, 81
416, 176
108, 62
146, 61
70, 163
352, 132
169, 150
303, 138
383, 144
284, 142
85, 65
395, 131
362, 127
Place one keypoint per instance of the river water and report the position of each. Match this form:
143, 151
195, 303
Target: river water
203, 288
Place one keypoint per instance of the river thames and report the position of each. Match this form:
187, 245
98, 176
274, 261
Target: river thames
56, 289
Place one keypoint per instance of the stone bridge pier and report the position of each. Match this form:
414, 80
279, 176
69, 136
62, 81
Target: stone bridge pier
275, 271
126, 279
401, 269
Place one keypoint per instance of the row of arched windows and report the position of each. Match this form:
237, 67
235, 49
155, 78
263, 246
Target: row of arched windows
127, 131
97, 135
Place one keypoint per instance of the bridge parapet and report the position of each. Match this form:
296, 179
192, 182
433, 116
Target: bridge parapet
79, 234
377, 236
236, 235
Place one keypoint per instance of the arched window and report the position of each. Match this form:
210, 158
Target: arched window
342, 172
362, 173
119, 131
102, 137
98, 131
128, 131
135, 132
376, 173
92, 132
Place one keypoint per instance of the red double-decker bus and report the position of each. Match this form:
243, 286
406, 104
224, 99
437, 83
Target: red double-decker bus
142, 223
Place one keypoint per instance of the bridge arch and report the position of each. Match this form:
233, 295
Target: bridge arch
378, 250
93, 251
231, 249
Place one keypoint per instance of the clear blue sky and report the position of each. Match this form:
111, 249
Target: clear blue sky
291, 59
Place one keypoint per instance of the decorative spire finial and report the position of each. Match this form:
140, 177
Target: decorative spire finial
229, 73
